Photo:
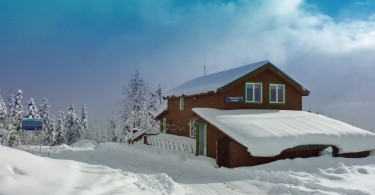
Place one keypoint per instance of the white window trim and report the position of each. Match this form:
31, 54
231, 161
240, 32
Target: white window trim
277, 94
261, 92
182, 103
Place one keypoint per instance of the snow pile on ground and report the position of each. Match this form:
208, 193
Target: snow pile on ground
81, 145
21, 173
172, 142
323, 175
256, 129
143, 169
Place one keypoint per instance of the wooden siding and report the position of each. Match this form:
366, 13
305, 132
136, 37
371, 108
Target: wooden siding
177, 120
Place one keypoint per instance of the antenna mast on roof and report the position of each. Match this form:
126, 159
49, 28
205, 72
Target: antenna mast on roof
204, 64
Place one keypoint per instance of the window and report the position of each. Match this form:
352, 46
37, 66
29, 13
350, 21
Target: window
181, 103
277, 93
253, 92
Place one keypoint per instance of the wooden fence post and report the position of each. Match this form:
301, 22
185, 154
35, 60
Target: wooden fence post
169, 144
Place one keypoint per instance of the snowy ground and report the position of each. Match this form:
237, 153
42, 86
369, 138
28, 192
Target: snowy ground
141, 169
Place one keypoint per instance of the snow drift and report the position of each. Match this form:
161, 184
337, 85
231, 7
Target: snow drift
22, 172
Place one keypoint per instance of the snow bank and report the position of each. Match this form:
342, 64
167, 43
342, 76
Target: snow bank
322, 175
80, 145
21, 173
268, 132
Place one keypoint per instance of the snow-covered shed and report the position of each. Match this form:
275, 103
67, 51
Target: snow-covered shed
257, 136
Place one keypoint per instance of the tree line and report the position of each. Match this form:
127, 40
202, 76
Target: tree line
66, 129
138, 108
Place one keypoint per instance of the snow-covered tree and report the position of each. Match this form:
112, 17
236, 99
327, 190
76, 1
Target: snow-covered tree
72, 126
32, 110
134, 104
60, 133
15, 114
84, 122
3, 122
156, 105
11, 110
12, 138
112, 133
3, 113
48, 122
16, 110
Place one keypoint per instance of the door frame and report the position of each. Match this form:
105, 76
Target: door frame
198, 138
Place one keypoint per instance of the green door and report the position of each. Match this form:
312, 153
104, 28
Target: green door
164, 125
202, 139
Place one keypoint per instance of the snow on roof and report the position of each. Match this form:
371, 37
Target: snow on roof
269, 132
217, 80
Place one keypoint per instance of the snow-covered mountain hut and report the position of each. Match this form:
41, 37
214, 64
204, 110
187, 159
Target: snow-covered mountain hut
252, 115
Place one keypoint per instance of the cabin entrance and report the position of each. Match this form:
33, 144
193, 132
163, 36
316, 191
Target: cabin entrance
202, 139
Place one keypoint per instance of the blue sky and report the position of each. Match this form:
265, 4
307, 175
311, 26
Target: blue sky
84, 51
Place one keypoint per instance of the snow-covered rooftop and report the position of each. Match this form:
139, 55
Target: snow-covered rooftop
268, 132
215, 81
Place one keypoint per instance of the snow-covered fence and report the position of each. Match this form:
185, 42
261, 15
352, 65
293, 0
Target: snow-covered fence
36, 149
172, 142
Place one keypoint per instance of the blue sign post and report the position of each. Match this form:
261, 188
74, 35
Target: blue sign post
32, 124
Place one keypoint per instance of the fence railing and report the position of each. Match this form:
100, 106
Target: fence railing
170, 145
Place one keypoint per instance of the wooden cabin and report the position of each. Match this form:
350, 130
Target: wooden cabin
257, 86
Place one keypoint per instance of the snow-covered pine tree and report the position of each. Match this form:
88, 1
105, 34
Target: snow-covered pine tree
60, 133
32, 110
3, 122
156, 105
72, 126
11, 110
134, 107
159, 96
84, 122
112, 134
48, 122
6, 131
3, 113
17, 114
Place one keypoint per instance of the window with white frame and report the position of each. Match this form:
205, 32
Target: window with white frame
277, 93
253, 93
181, 103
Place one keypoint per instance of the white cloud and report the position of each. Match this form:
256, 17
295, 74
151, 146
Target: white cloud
333, 58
